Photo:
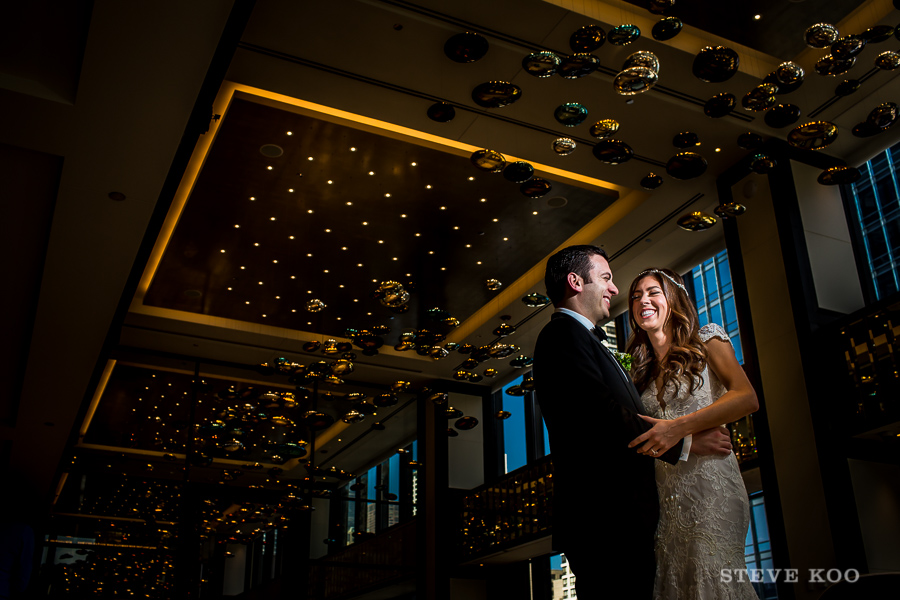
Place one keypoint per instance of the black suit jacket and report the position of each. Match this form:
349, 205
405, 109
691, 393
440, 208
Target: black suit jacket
600, 486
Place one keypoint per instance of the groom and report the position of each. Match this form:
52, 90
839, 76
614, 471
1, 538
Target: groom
605, 506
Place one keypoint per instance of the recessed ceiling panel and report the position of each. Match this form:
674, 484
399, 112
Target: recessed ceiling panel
291, 208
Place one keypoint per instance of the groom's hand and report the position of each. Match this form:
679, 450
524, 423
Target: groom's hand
655, 441
715, 441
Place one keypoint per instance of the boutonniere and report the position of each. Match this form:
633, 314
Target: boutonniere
624, 360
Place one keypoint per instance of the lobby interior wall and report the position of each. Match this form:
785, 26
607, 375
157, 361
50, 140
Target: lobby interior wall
876, 487
784, 389
828, 242
319, 528
466, 451
468, 589
235, 570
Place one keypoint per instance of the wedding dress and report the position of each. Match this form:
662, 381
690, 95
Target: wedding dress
704, 509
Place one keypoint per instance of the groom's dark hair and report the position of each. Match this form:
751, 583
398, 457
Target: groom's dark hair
574, 259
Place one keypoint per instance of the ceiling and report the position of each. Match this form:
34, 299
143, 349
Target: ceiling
160, 277
776, 32
339, 212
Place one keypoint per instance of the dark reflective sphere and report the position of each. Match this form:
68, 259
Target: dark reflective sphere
489, 161
385, 400
715, 64
604, 128
466, 423
587, 38
830, 65
847, 46
441, 112
888, 60
838, 176
686, 165
536, 187
730, 210
883, 116
821, 35
762, 163
522, 361
577, 66
877, 34
788, 77
760, 98
658, 7
719, 105
634, 80
612, 152
563, 146
847, 87
535, 300
518, 172
504, 329
696, 221
541, 64
466, 47
813, 136
651, 181
685, 139
782, 115
570, 114
866, 129
642, 58
496, 94
666, 29
453, 413
623, 34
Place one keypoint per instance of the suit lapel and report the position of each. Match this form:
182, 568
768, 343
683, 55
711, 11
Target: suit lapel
631, 399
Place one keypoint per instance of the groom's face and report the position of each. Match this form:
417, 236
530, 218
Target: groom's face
598, 290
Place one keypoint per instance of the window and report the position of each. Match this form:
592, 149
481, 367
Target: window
714, 297
876, 216
758, 547
546, 438
515, 450
381, 497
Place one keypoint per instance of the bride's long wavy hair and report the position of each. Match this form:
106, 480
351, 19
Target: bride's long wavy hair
686, 359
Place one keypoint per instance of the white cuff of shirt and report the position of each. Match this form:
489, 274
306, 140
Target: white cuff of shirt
686, 447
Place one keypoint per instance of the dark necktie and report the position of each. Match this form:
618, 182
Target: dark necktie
601, 335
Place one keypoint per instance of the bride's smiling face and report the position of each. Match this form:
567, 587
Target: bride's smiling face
649, 306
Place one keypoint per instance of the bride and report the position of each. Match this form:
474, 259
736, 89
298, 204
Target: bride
680, 369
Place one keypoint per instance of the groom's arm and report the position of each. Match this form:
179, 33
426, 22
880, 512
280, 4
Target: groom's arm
714, 441
567, 368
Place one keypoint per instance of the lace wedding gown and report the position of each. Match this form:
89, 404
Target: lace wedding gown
704, 509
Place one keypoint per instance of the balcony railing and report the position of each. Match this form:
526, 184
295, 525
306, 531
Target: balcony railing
512, 511
859, 383
386, 559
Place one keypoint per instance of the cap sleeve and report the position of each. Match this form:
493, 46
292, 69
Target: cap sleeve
711, 330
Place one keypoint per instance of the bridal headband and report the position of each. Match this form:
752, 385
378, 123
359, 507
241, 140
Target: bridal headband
664, 274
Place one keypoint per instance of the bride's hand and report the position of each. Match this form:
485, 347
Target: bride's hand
663, 435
